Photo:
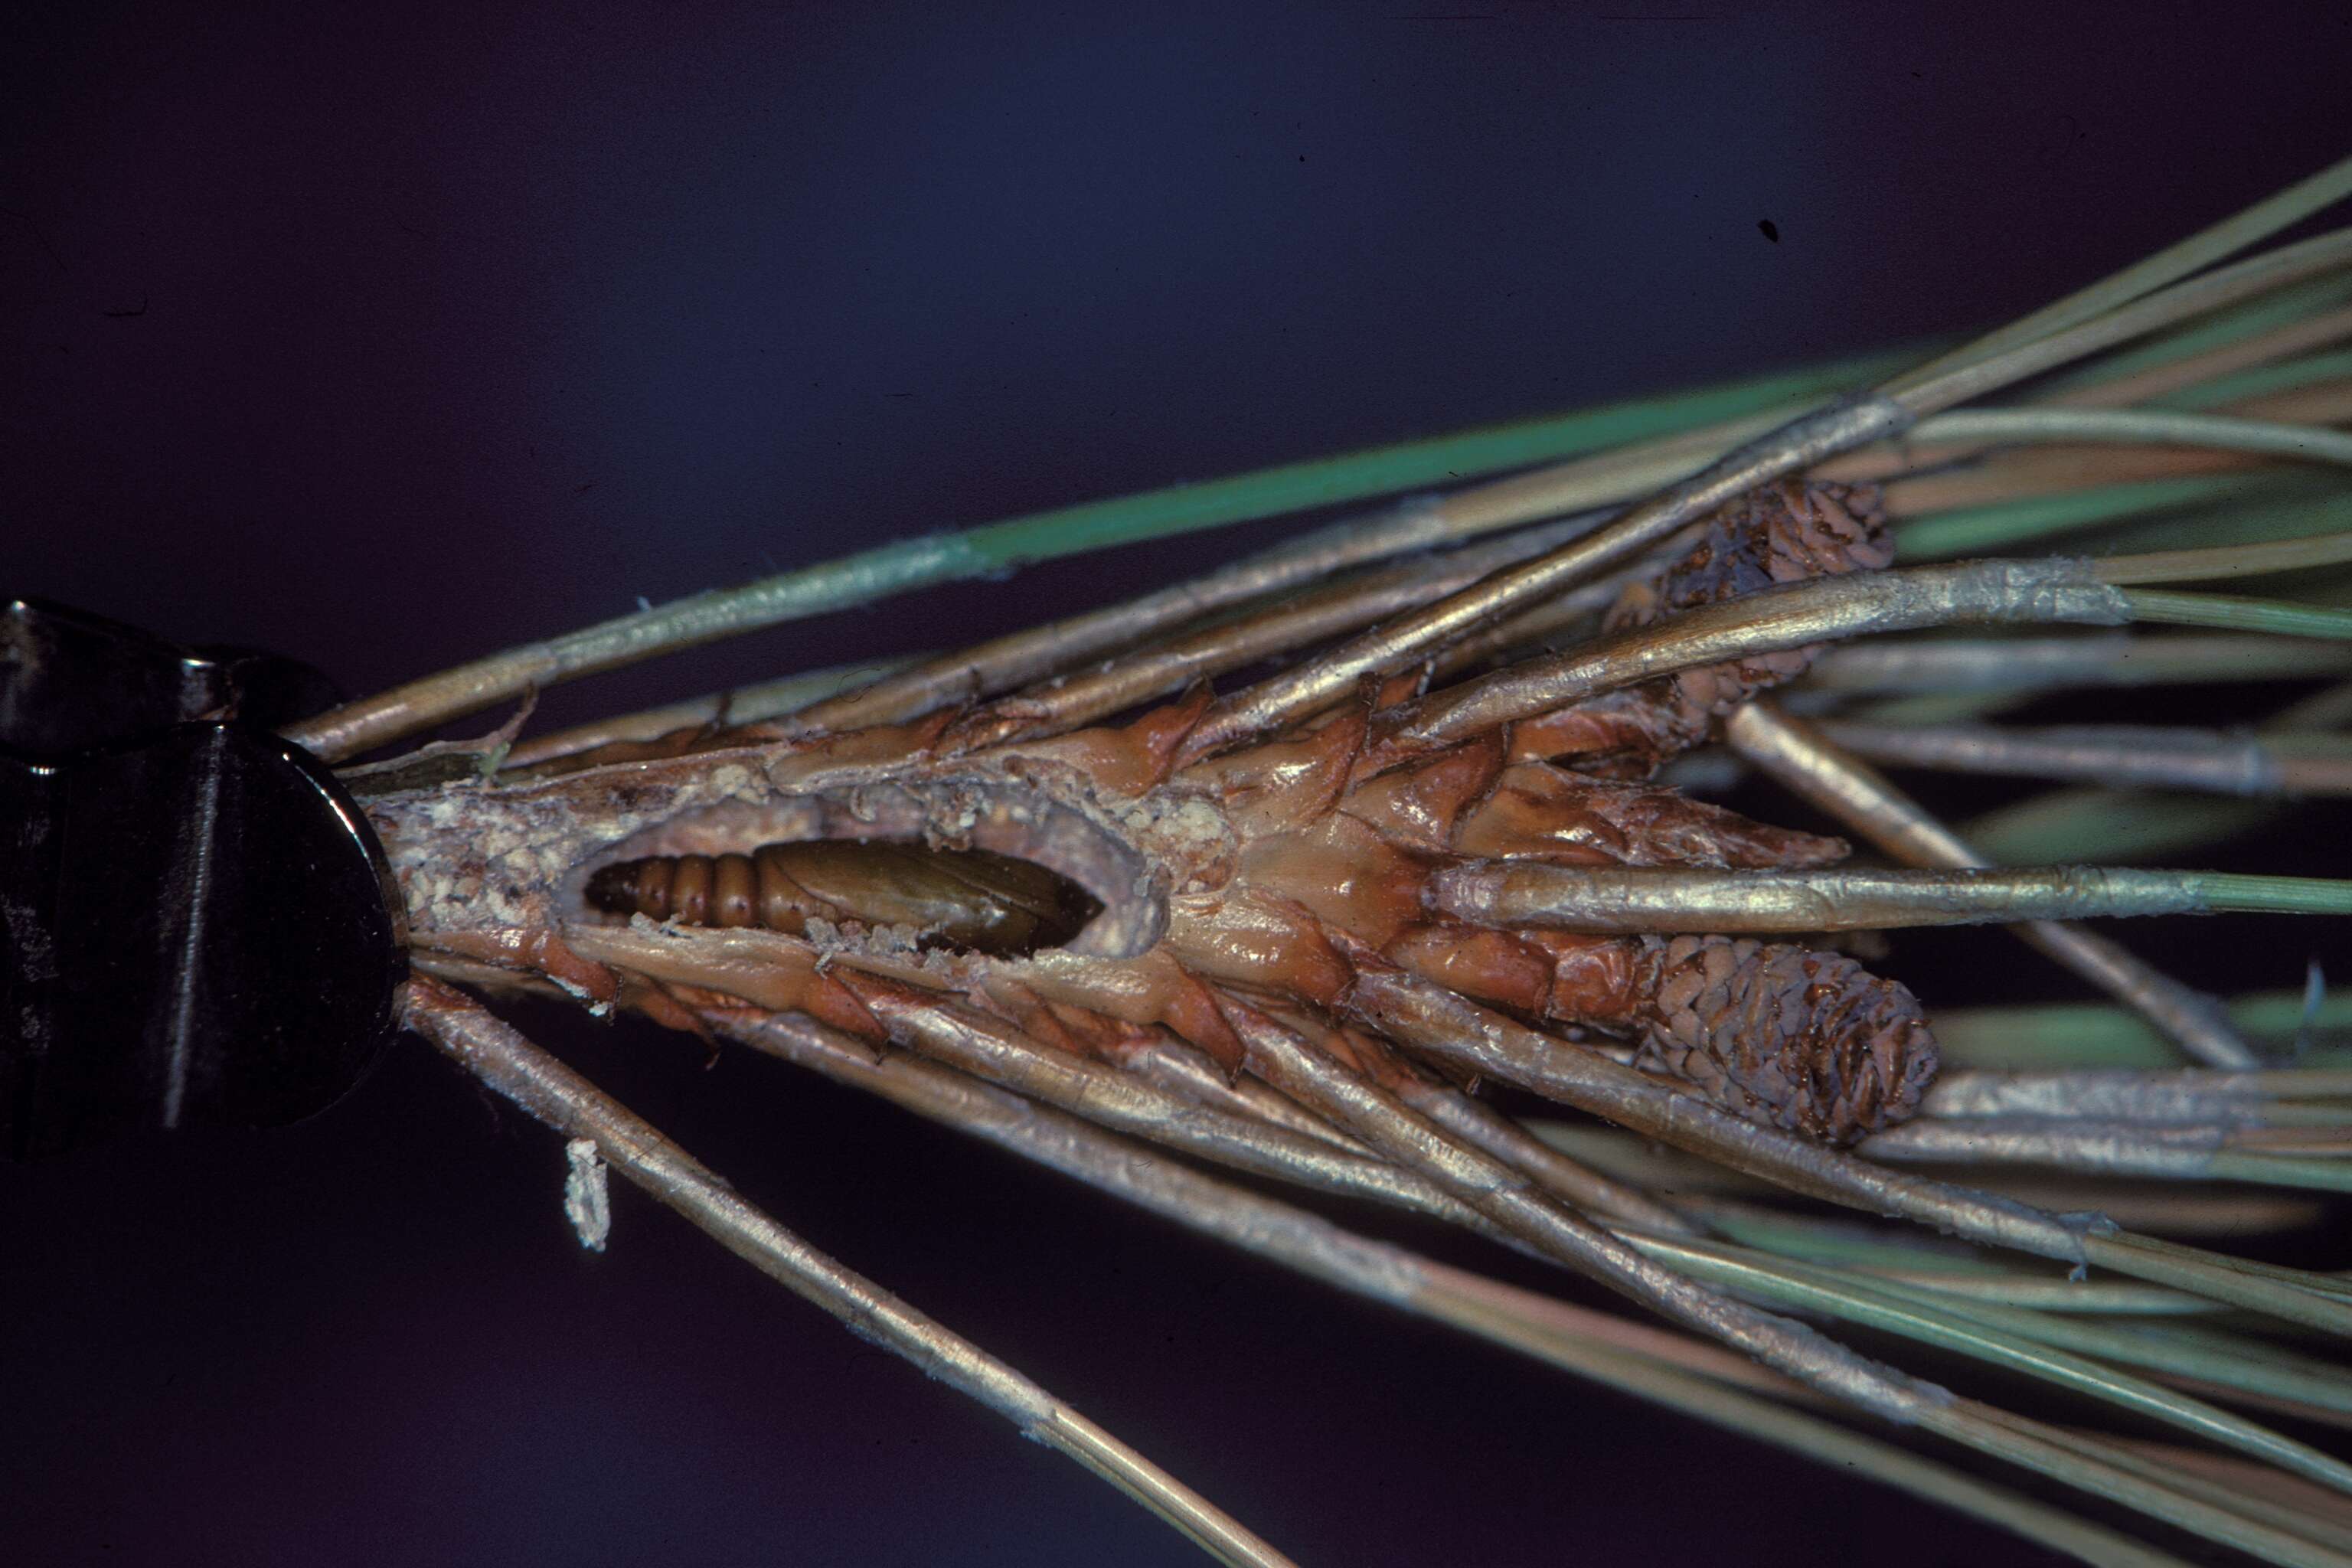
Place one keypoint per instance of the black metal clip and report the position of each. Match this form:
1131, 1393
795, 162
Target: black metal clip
196, 923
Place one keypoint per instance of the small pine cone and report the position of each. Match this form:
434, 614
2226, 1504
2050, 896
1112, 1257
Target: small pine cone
1784, 532
1807, 1042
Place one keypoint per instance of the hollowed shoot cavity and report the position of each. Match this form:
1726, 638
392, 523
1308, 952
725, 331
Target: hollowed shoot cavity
969, 899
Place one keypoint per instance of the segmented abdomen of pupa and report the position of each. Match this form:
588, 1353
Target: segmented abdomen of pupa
1786, 531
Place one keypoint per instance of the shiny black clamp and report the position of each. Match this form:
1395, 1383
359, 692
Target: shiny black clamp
197, 924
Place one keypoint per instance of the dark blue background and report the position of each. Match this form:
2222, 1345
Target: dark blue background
387, 339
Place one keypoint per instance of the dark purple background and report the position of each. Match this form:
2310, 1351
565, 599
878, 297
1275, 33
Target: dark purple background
388, 339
